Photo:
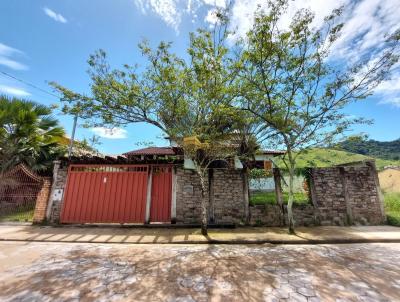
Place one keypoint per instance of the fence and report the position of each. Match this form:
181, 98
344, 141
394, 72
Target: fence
20, 189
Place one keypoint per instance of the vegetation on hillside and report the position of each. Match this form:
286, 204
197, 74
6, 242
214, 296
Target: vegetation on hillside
360, 144
322, 157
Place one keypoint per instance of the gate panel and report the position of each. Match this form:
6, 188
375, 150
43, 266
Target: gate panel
161, 194
105, 194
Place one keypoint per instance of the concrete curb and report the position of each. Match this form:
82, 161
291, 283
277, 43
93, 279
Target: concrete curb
215, 241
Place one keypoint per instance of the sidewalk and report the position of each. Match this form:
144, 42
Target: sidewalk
240, 235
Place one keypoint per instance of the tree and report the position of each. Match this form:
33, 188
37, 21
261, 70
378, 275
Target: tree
28, 134
183, 98
289, 81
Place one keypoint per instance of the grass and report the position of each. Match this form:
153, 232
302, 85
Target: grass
21, 214
392, 208
259, 198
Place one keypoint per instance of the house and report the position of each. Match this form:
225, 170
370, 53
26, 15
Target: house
152, 185
149, 185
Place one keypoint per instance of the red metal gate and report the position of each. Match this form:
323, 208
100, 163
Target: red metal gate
161, 193
105, 194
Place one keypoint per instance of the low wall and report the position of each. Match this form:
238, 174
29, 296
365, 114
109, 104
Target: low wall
348, 195
343, 195
271, 215
188, 197
226, 197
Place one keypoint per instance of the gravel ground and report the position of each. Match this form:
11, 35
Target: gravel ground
118, 272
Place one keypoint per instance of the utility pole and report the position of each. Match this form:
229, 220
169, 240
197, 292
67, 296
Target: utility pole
73, 136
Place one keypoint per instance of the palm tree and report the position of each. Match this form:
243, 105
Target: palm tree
28, 134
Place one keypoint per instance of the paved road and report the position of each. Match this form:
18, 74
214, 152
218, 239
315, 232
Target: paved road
108, 272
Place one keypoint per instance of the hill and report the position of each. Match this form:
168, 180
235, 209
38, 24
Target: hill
321, 157
361, 145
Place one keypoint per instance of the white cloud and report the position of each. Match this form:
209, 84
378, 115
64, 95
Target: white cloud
366, 24
389, 91
216, 3
211, 16
12, 64
173, 11
6, 52
113, 133
167, 10
55, 16
394, 101
14, 91
242, 14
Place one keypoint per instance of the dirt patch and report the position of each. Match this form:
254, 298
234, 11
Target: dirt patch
389, 180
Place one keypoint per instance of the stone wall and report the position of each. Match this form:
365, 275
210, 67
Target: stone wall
226, 197
188, 196
348, 195
271, 215
228, 203
341, 196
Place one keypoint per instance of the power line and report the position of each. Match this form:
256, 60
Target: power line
30, 84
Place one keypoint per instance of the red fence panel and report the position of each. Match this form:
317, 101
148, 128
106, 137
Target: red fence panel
105, 194
161, 194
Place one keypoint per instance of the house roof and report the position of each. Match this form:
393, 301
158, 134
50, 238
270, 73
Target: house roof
175, 151
153, 151
273, 152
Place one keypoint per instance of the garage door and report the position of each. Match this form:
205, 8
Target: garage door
105, 194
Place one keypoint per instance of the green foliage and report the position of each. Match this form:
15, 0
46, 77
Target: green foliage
259, 173
392, 208
20, 214
361, 145
324, 157
28, 134
259, 198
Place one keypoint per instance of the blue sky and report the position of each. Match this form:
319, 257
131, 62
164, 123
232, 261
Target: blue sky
43, 41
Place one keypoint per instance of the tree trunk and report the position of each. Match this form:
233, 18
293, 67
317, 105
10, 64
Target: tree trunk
290, 203
290, 200
204, 218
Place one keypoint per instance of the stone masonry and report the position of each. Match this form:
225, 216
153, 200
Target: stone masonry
228, 203
348, 195
342, 195
226, 198
188, 197
271, 215
57, 195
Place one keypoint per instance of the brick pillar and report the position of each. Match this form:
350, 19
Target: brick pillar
39, 216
